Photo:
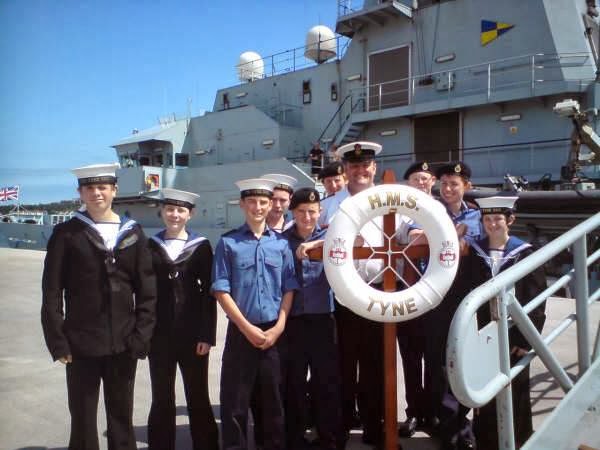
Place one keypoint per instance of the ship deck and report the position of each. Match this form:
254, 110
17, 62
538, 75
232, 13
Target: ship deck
33, 407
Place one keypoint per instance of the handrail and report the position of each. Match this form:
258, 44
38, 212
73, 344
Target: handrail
335, 114
489, 77
461, 328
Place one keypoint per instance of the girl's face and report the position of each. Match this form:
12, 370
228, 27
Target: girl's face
497, 224
175, 217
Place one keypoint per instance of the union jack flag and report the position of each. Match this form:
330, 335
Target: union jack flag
9, 193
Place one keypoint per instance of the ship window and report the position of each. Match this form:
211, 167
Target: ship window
144, 161
388, 78
182, 159
334, 94
306, 93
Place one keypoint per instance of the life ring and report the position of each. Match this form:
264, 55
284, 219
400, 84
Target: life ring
352, 291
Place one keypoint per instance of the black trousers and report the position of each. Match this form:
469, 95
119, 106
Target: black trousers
454, 424
412, 351
84, 374
164, 358
244, 366
361, 341
312, 343
485, 425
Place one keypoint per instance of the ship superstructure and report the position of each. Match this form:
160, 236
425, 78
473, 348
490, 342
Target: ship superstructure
475, 80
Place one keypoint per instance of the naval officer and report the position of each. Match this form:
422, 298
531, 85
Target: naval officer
361, 340
254, 282
98, 309
186, 318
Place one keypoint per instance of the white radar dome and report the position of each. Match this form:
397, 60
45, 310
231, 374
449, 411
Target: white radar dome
320, 44
250, 67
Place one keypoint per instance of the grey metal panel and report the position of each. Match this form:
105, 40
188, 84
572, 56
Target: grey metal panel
173, 132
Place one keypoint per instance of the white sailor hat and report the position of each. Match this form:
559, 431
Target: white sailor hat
358, 151
284, 182
97, 174
176, 197
496, 205
256, 186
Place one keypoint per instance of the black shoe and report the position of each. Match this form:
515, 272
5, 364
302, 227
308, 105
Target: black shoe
375, 439
408, 427
466, 444
431, 425
355, 422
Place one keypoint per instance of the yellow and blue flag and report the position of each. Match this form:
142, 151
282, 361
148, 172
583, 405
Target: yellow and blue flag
491, 30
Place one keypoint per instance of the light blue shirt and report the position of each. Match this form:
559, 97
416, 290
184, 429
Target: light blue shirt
255, 272
471, 217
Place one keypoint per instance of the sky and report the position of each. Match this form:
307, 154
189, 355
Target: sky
78, 75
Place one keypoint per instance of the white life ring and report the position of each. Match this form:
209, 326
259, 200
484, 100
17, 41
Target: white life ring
352, 291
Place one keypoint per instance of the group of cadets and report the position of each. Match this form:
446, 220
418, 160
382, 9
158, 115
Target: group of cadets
292, 354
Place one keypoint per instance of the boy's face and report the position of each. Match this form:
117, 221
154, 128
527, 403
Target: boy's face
422, 181
256, 208
306, 216
97, 197
281, 202
497, 224
453, 188
175, 217
334, 184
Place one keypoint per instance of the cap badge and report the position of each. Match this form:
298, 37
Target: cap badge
339, 170
357, 149
311, 197
425, 166
458, 168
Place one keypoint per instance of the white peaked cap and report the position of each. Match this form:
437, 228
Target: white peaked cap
360, 150
256, 186
283, 181
96, 173
496, 204
179, 198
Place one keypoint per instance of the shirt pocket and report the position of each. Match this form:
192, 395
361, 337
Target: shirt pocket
244, 272
272, 268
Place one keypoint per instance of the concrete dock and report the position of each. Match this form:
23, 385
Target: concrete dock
33, 407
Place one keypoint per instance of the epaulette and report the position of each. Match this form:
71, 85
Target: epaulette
227, 233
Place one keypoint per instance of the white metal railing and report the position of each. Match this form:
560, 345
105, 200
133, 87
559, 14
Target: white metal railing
460, 373
293, 59
532, 73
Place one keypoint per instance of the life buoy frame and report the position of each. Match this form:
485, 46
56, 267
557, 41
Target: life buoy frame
352, 291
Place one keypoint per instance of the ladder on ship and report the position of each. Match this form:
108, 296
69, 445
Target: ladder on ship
575, 421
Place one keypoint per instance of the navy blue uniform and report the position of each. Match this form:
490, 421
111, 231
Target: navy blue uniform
311, 339
455, 424
479, 264
109, 297
256, 273
186, 315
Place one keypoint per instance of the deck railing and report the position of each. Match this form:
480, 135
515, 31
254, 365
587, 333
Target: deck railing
531, 73
463, 330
